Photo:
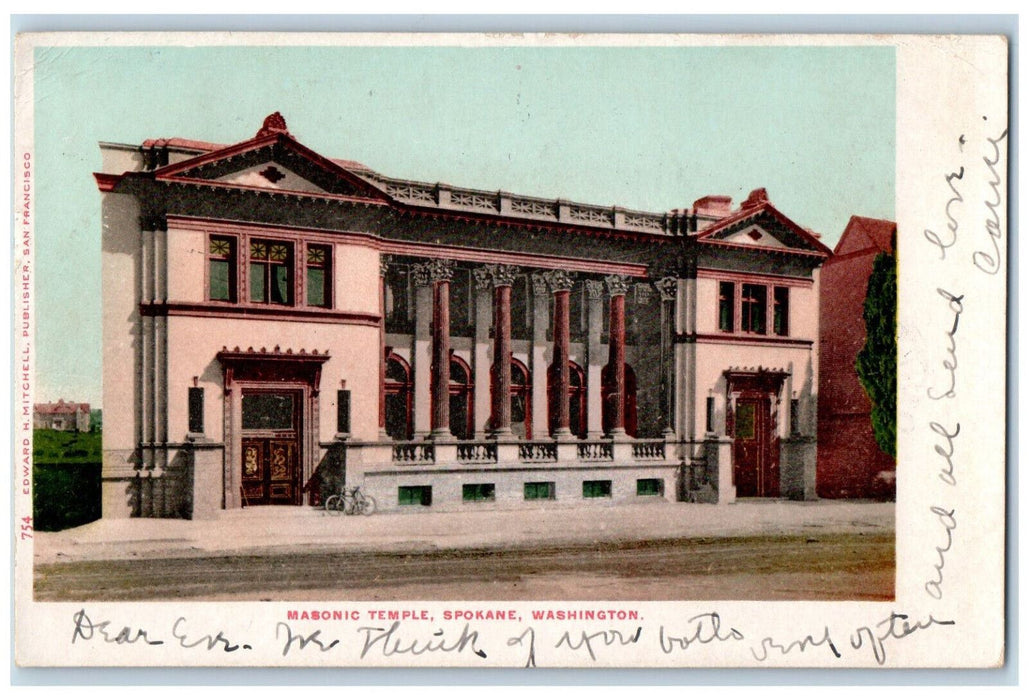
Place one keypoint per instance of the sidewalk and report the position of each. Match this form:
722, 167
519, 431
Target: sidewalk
276, 529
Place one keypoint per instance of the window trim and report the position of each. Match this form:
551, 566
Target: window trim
739, 325
605, 488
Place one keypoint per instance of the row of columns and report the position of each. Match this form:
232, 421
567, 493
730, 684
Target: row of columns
434, 276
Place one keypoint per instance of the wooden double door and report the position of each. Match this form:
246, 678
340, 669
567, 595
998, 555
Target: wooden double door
755, 448
271, 472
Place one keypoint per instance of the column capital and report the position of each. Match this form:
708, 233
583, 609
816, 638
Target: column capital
483, 278
435, 270
560, 280
642, 293
595, 289
617, 285
539, 283
384, 262
502, 275
667, 288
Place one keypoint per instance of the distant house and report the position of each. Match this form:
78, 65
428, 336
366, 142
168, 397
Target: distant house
63, 415
850, 463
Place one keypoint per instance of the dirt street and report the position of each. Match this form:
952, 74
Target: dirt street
825, 566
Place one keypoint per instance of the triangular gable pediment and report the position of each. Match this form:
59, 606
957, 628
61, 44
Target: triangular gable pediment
764, 226
271, 175
275, 162
754, 235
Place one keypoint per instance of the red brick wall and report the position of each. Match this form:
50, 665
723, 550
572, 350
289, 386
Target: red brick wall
848, 457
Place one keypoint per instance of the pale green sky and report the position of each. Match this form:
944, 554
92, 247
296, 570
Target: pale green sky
644, 128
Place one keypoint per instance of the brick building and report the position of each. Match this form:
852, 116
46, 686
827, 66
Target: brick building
850, 463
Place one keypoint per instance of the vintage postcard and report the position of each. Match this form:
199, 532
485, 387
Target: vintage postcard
505, 351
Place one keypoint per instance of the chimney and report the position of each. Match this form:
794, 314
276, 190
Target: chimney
755, 198
713, 205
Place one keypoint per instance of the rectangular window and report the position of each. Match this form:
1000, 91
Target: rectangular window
781, 316
398, 305
461, 302
343, 411
726, 306
271, 279
650, 487
196, 410
710, 427
221, 268
520, 315
539, 490
479, 492
795, 416
414, 495
319, 275
600, 488
754, 307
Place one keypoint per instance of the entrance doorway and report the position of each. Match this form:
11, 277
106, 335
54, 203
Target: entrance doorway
270, 465
756, 470
752, 421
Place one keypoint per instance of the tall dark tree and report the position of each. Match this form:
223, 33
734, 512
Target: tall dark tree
877, 361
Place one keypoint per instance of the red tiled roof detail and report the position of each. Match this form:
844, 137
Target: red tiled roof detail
61, 407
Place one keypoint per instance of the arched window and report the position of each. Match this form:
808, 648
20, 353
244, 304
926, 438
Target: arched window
521, 400
399, 391
461, 389
607, 388
576, 399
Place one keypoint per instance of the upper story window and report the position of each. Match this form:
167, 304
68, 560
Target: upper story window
726, 306
754, 308
221, 268
781, 313
270, 267
319, 258
273, 271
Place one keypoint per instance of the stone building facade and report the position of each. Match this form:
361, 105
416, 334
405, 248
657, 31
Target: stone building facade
274, 318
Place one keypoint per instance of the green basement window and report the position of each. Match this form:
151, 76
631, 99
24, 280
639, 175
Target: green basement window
596, 489
539, 490
479, 492
414, 496
650, 487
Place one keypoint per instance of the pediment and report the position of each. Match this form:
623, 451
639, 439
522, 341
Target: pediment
271, 175
755, 236
272, 163
764, 227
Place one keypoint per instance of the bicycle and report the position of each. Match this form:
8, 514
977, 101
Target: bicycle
350, 502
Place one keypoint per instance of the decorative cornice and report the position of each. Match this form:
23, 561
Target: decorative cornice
595, 289
667, 287
269, 312
560, 280
617, 285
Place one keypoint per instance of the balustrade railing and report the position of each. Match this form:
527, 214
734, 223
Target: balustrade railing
537, 452
414, 453
596, 451
646, 450
477, 452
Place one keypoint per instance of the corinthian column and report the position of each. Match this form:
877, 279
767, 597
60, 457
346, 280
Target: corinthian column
438, 273
617, 287
561, 284
503, 277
